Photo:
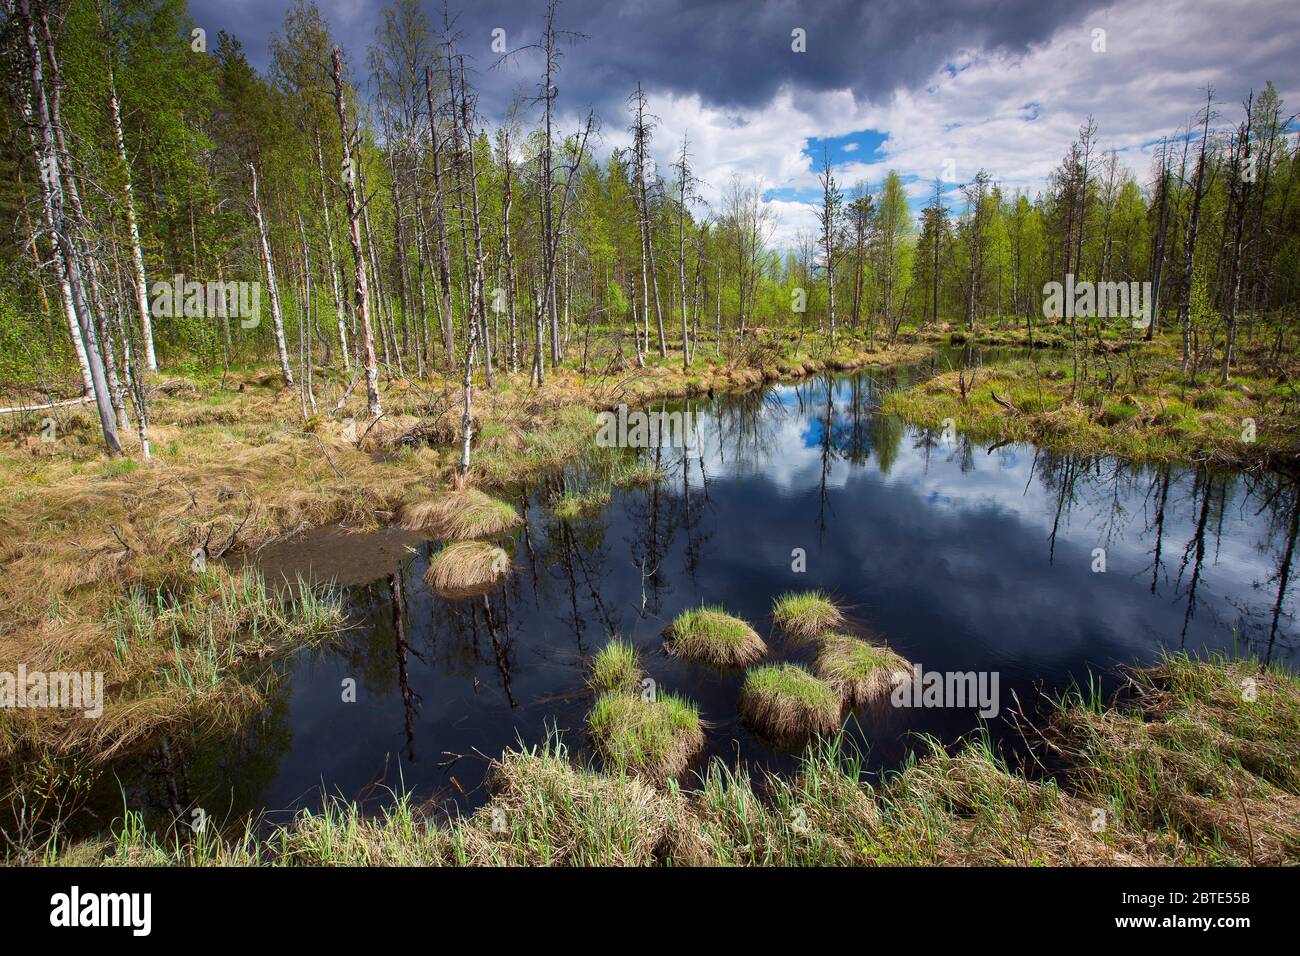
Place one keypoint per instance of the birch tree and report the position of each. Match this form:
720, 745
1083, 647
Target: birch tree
361, 287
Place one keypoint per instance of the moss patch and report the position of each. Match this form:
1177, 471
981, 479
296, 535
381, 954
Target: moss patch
1128, 399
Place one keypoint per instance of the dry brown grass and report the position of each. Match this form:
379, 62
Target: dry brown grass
235, 467
467, 569
1189, 751
387, 431
459, 515
968, 809
233, 470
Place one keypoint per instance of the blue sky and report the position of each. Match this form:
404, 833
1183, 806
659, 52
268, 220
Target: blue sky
861, 146
932, 89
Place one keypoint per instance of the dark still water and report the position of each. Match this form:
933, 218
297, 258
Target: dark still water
960, 556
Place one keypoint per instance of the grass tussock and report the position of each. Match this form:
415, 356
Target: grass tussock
1206, 752
234, 466
543, 811
1151, 766
803, 616
459, 516
786, 704
970, 809
573, 505
655, 739
712, 636
860, 672
467, 569
617, 667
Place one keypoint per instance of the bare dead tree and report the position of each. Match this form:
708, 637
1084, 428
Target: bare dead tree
1193, 226
268, 266
361, 287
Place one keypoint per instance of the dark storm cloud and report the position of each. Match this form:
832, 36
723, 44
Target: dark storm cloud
731, 52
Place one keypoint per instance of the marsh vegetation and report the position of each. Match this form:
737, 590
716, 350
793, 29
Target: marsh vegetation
363, 587
462, 676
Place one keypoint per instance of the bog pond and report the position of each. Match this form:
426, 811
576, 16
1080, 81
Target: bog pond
960, 556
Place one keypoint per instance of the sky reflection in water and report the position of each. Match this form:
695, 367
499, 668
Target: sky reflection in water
960, 557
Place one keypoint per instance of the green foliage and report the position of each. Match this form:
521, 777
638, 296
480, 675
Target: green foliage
617, 667
192, 123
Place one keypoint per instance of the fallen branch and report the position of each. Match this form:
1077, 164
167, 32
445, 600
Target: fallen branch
347, 392
230, 543
324, 451
126, 548
1003, 402
83, 400
302, 526
362, 439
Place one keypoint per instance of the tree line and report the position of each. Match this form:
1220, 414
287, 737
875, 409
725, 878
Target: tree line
393, 231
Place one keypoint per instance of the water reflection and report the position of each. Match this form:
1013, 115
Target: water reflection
963, 556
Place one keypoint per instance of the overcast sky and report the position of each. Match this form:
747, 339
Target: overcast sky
929, 89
